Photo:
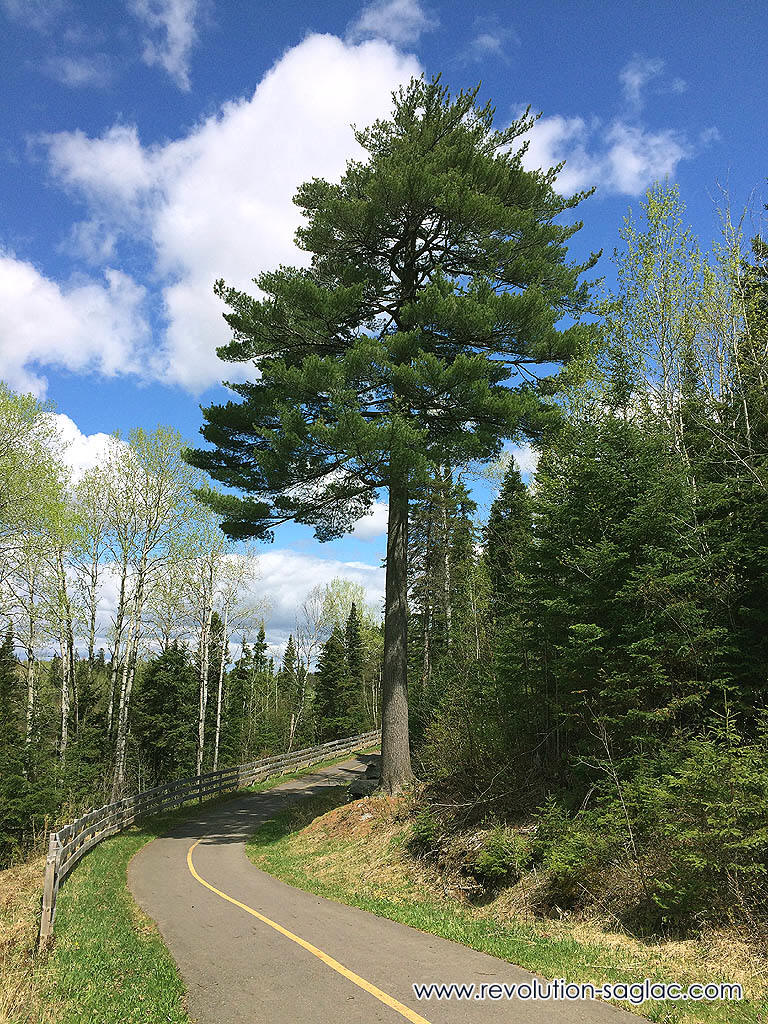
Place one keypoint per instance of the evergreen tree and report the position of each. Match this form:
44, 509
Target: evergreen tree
331, 688
234, 731
438, 266
216, 650
164, 715
288, 673
14, 788
89, 750
351, 696
507, 536
260, 648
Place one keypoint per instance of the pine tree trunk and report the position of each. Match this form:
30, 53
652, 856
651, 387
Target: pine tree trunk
396, 770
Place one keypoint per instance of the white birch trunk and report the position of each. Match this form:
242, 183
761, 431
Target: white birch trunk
224, 642
203, 693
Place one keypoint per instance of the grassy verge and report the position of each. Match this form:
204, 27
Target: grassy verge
355, 854
108, 964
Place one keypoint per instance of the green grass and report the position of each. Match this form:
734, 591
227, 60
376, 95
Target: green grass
375, 875
109, 964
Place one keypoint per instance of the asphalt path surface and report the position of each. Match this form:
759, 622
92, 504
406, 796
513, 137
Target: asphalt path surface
252, 949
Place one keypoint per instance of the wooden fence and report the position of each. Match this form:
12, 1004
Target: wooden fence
70, 843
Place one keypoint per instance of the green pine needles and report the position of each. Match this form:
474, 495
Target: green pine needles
438, 281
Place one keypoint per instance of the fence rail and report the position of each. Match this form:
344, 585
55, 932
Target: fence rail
69, 844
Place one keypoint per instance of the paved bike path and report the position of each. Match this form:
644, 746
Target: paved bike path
252, 949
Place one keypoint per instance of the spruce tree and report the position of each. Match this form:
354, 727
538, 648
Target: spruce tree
14, 788
260, 649
234, 733
288, 678
163, 715
437, 280
352, 694
330, 684
507, 535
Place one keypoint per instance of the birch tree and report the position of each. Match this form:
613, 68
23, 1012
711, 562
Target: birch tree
89, 548
237, 613
162, 514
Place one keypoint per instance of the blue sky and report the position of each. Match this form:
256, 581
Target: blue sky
151, 146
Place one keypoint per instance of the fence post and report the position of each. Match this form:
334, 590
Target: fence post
121, 812
49, 890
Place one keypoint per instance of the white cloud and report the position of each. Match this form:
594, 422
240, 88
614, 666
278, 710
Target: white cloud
114, 169
619, 158
286, 577
77, 72
85, 325
635, 158
491, 39
486, 44
374, 524
172, 35
636, 75
640, 73
82, 451
37, 14
526, 458
554, 139
218, 202
399, 21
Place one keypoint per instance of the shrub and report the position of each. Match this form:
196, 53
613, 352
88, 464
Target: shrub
503, 857
424, 831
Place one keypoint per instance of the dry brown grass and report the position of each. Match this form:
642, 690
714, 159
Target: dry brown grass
360, 847
21, 999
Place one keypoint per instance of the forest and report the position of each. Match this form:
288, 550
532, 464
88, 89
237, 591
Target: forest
589, 663
133, 649
581, 666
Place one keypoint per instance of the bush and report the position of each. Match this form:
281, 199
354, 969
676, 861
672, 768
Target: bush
424, 831
710, 819
503, 858
678, 840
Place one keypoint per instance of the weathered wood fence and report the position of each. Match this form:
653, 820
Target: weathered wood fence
70, 843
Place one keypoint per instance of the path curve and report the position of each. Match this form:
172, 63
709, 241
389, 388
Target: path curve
232, 930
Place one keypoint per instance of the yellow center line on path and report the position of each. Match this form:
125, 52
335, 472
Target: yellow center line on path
345, 972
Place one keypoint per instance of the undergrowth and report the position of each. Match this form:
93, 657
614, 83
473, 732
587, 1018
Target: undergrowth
381, 855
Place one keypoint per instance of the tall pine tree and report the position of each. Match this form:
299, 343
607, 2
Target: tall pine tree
438, 278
